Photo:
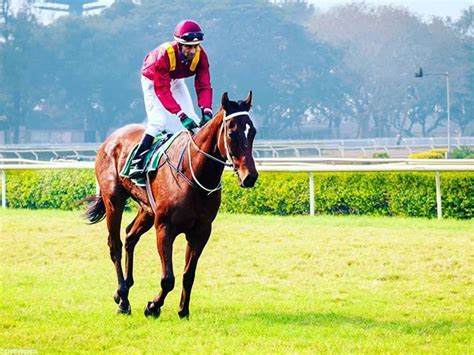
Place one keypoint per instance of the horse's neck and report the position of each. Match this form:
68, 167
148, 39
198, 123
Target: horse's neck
207, 140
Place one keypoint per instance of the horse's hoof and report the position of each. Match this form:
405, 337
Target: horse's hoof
117, 297
183, 315
124, 310
151, 310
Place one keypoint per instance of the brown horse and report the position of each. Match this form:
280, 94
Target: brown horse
186, 189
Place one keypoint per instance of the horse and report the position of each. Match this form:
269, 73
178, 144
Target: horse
187, 191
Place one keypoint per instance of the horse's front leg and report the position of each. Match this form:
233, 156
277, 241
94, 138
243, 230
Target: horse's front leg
164, 241
197, 240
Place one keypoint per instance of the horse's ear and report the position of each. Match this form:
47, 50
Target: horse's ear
248, 100
225, 101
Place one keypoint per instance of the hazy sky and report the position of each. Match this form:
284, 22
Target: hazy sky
423, 8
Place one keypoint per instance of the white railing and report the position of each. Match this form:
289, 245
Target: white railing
262, 148
309, 165
52, 152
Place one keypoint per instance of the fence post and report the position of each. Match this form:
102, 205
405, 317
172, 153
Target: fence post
311, 194
4, 189
438, 196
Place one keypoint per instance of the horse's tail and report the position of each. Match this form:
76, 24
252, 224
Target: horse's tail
95, 211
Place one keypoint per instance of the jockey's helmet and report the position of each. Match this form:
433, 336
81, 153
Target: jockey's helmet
188, 32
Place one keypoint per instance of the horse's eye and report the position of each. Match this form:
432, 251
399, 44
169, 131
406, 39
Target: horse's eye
232, 125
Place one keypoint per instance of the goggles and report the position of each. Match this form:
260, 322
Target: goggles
192, 36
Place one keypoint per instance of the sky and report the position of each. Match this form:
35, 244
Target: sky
426, 9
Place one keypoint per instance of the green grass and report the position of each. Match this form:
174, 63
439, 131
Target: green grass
264, 285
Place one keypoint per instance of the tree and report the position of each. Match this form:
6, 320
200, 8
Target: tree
348, 72
18, 68
463, 103
96, 69
382, 46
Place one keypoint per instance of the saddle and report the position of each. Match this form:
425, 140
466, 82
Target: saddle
152, 158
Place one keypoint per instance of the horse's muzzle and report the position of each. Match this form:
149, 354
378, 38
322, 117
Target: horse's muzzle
249, 180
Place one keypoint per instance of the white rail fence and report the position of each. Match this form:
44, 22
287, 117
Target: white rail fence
354, 147
262, 148
311, 166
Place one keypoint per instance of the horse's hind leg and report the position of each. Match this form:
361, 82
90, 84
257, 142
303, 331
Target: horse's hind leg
114, 205
197, 240
142, 222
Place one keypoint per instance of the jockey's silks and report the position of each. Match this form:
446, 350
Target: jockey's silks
172, 57
164, 64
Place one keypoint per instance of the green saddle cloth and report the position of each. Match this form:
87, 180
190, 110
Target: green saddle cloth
152, 159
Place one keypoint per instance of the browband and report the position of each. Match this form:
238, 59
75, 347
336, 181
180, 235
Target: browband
235, 114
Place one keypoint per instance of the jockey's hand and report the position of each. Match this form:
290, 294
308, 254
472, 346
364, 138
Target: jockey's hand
205, 117
188, 122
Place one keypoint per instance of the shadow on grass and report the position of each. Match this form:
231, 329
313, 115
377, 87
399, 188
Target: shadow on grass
437, 327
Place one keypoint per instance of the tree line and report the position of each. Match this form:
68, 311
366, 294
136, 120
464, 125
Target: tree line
346, 73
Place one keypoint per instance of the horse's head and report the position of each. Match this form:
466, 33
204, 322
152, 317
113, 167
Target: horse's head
238, 133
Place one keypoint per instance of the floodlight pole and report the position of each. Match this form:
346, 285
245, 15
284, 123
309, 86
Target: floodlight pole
449, 115
420, 74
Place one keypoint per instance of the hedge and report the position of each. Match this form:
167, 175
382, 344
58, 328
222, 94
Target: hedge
430, 154
48, 188
463, 152
385, 194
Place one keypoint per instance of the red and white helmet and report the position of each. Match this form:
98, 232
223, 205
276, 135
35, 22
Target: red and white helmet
188, 32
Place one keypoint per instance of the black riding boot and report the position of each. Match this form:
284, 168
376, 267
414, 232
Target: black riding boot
137, 168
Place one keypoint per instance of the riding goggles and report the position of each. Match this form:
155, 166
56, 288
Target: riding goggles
192, 36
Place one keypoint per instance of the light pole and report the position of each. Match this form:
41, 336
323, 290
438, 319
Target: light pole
420, 74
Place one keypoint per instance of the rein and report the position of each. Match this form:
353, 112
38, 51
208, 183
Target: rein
228, 162
196, 184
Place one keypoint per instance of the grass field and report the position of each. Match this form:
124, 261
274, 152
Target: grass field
264, 285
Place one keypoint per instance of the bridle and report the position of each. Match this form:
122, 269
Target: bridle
228, 162
195, 182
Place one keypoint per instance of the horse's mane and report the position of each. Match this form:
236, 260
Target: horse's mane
216, 120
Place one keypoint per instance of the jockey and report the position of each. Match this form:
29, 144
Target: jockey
166, 95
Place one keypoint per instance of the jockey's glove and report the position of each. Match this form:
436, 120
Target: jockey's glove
187, 122
205, 117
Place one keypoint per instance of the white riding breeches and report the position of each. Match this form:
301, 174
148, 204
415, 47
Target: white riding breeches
159, 118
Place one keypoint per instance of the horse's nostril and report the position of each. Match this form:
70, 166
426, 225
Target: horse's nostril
250, 180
